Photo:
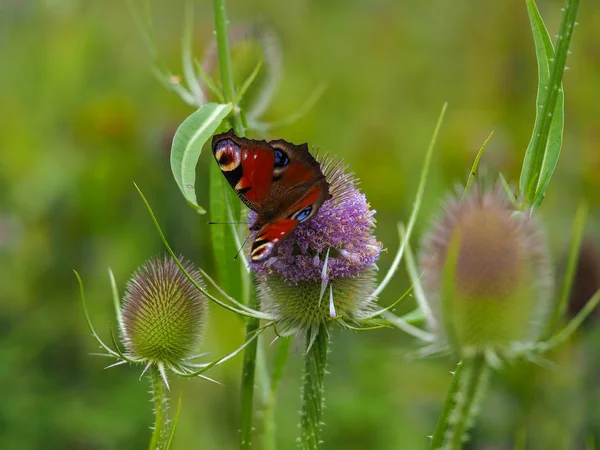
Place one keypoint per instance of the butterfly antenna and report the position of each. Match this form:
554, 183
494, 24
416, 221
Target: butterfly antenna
227, 223
243, 245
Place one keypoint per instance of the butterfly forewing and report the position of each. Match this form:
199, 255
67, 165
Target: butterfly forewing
247, 166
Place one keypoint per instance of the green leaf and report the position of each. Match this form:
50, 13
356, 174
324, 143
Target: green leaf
248, 82
255, 314
475, 167
573, 324
416, 206
544, 147
544, 51
189, 139
209, 82
187, 59
174, 424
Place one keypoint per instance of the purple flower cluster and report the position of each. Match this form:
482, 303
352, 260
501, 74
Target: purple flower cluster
343, 227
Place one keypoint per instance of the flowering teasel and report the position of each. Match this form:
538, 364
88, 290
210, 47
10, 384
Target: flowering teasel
326, 268
487, 274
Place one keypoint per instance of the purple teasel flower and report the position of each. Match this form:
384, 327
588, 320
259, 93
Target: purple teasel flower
326, 269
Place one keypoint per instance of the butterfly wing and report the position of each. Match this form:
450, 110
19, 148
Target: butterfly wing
281, 182
269, 237
297, 183
247, 165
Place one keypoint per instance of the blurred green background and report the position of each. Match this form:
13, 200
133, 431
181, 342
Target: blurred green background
82, 117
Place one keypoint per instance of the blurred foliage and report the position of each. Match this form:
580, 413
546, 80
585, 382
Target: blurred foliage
83, 117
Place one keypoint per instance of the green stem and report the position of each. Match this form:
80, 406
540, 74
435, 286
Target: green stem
248, 377
557, 69
315, 362
221, 29
471, 385
160, 435
280, 363
249, 368
437, 440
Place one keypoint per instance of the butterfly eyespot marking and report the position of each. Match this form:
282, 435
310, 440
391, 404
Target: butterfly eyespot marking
228, 155
280, 163
261, 250
303, 214
281, 158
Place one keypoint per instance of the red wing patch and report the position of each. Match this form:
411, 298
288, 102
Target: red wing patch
257, 173
269, 237
247, 165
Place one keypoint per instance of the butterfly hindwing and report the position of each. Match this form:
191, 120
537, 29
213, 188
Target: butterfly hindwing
269, 237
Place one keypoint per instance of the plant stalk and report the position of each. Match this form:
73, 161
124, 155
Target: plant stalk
311, 414
160, 435
280, 363
248, 376
471, 384
437, 440
252, 324
221, 29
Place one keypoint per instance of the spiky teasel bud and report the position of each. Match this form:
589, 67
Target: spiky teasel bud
163, 313
326, 269
487, 275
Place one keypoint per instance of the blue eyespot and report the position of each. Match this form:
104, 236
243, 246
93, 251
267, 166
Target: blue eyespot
281, 158
302, 215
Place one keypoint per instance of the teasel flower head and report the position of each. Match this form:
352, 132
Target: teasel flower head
326, 269
163, 314
487, 274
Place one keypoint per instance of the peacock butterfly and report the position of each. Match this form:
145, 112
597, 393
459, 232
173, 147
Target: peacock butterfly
281, 182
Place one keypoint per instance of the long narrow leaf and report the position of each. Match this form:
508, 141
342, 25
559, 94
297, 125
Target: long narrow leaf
187, 58
416, 206
89, 321
544, 147
256, 314
174, 424
571, 267
475, 167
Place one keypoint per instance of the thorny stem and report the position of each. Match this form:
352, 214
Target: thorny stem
248, 376
160, 435
252, 324
280, 363
311, 414
437, 440
471, 384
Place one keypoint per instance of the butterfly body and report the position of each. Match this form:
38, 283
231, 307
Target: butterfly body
281, 182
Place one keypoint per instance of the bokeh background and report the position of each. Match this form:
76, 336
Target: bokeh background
82, 117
